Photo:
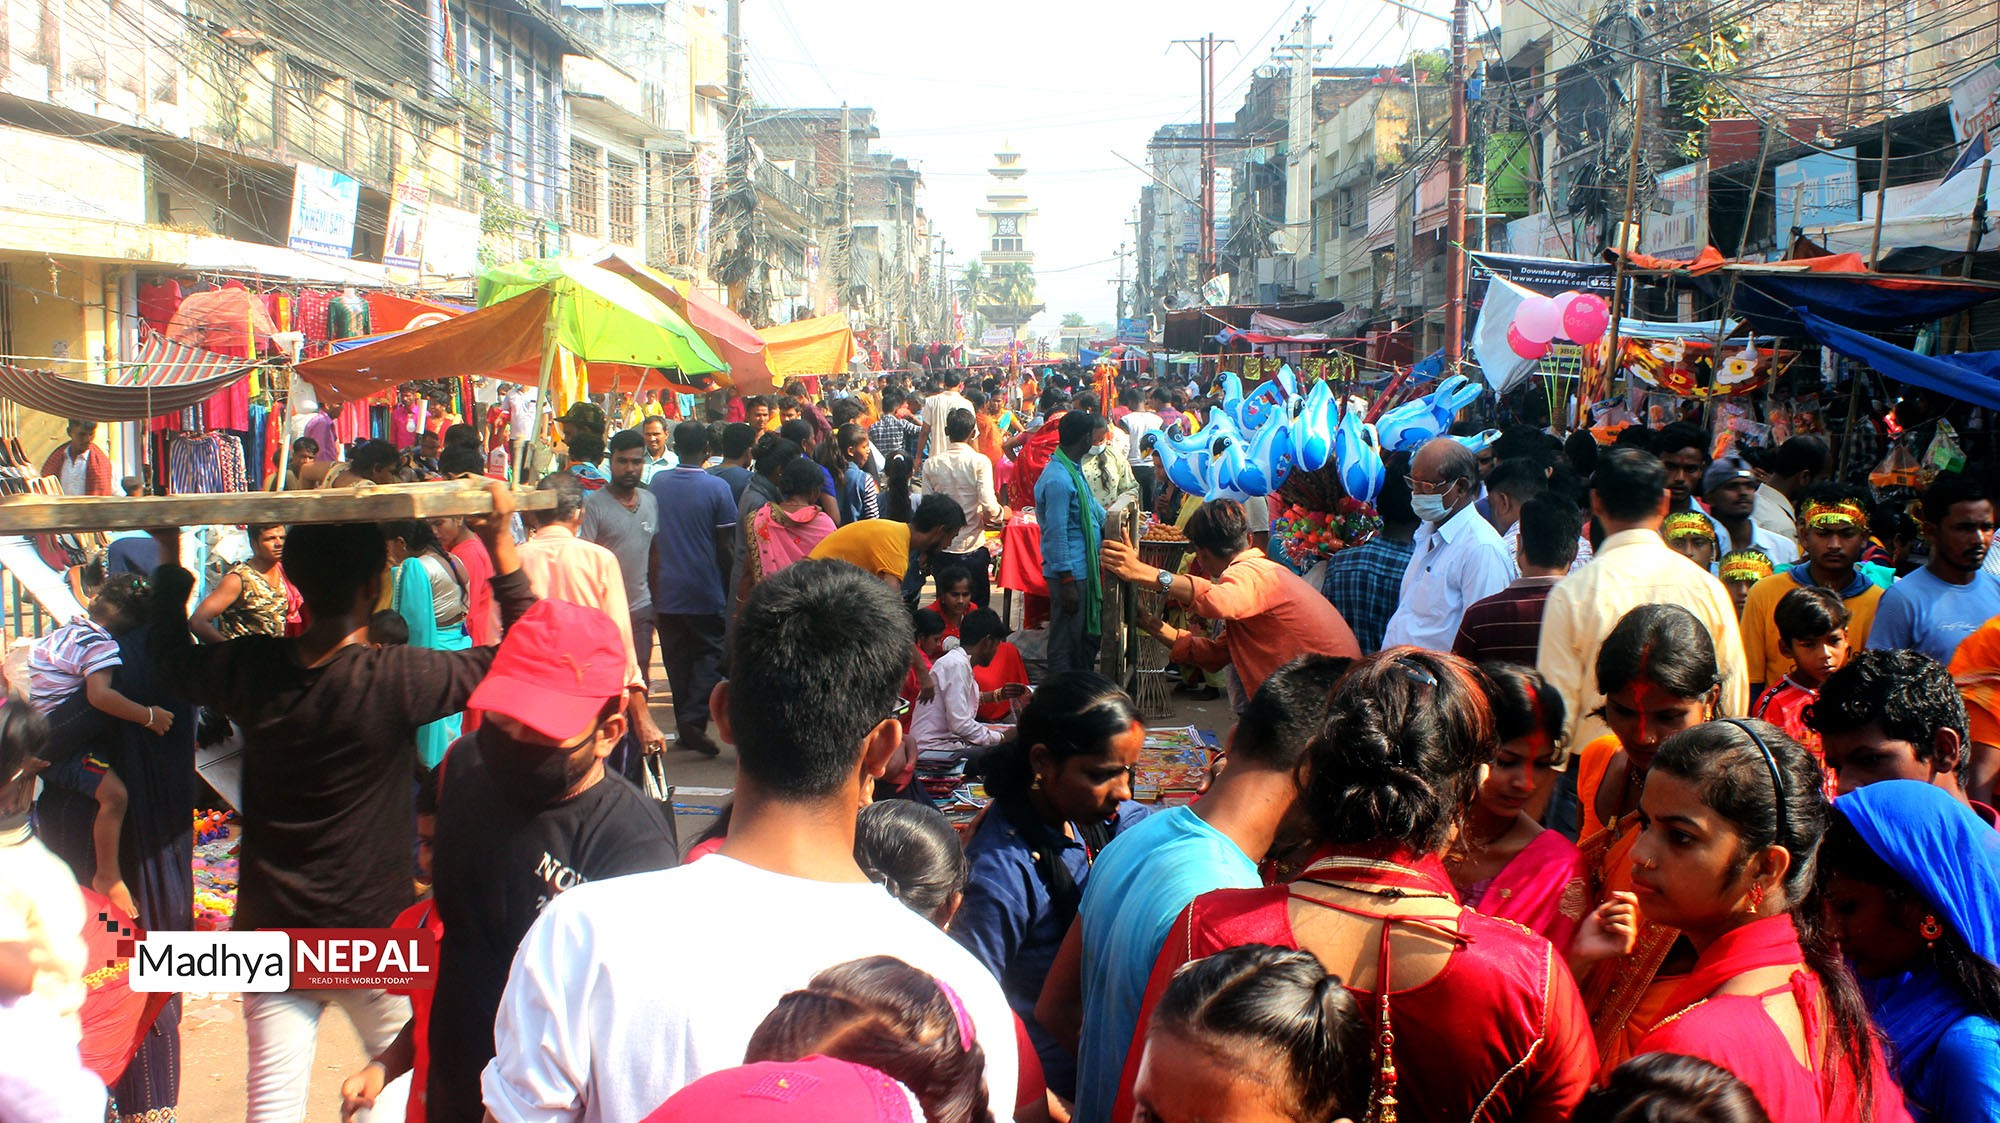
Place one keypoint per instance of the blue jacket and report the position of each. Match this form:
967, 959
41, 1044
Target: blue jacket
1060, 508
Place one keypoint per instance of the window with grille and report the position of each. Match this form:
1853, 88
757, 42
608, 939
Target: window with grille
584, 191
623, 181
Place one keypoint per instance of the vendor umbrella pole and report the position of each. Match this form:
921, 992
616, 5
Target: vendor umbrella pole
541, 386
1964, 332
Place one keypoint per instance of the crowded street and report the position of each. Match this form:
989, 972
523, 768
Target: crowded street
1335, 561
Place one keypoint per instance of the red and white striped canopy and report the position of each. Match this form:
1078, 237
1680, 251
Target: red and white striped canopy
165, 377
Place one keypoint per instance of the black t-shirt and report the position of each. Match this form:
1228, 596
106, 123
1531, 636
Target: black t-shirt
494, 865
329, 822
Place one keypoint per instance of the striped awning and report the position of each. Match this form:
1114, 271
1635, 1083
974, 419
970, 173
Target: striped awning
164, 378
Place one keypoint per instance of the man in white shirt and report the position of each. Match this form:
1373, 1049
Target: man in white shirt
1729, 488
1137, 422
659, 458
615, 1002
1458, 557
1797, 464
949, 722
938, 407
520, 403
966, 475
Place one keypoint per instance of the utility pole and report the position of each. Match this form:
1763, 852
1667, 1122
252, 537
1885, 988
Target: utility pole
736, 171
1120, 282
1298, 172
1204, 52
1454, 221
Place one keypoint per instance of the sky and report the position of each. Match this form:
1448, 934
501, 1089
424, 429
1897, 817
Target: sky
1073, 85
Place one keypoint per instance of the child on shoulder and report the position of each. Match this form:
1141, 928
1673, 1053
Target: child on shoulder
69, 684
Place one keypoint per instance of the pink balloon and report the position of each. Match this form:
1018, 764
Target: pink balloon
1538, 319
1586, 318
1523, 346
1564, 300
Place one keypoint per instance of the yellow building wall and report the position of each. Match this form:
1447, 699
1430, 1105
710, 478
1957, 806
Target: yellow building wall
56, 311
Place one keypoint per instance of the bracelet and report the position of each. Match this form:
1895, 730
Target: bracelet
149, 717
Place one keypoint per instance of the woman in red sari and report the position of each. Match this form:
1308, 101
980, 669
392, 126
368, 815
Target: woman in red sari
1503, 862
1730, 826
1475, 1018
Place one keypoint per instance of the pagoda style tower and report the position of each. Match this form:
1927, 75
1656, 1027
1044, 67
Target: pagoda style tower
1009, 301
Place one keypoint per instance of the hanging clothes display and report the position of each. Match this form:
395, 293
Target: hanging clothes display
158, 303
208, 463
347, 316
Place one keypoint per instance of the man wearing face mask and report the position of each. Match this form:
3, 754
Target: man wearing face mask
526, 810
1458, 557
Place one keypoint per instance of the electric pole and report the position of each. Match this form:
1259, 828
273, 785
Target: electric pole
1204, 52
1454, 222
1120, 282
1298, 173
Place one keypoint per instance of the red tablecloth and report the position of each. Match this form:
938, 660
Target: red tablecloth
1021, 557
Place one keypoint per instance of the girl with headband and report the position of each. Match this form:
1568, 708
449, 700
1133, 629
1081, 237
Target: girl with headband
1731, 823
1739, 570
1659, 674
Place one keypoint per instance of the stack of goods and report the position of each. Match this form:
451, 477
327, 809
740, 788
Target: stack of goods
1173, 765
216, 843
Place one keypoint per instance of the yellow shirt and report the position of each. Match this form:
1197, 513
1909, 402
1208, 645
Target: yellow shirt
1631, 568
879, 546
1764, 652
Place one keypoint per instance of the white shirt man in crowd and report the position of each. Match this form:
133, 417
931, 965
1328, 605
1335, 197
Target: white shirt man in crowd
938, 407
1457, 558
611, 1006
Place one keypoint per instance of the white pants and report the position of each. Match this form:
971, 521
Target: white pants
284, 1031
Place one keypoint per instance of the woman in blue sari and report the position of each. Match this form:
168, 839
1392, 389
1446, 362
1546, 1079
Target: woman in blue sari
1912, 883
432, 595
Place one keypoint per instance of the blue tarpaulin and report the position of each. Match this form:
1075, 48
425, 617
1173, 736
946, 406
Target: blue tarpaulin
1870, 301
1972, 376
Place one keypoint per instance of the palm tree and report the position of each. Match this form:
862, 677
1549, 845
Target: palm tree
975, 285
1014, 284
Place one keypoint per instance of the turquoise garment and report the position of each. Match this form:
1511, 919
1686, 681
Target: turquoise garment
413, 604
1141, 882
1947, 1056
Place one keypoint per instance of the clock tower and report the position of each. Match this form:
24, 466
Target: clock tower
1006, 213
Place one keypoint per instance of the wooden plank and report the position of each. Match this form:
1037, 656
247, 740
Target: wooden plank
41, 514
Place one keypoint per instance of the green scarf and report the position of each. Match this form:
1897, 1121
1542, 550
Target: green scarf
1093, 587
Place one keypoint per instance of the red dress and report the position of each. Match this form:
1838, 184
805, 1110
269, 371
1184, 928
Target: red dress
1500, 1034
1736, 1032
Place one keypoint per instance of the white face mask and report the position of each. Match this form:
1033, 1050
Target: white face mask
1430, 508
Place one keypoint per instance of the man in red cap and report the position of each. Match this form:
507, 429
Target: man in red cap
526, 810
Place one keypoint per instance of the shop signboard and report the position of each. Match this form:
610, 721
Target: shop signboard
1816, 190
323, 208
409, 207
1676, 225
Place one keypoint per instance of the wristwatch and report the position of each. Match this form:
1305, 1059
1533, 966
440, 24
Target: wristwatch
1166, 580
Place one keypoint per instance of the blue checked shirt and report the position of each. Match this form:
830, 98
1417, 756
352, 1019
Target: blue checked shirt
1365, 583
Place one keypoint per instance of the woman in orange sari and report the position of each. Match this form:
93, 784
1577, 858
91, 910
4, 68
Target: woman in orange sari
1658, 672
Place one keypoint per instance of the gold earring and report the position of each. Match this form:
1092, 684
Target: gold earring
1037, 785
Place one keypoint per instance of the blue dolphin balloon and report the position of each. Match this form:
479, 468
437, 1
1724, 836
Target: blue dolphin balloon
1358, 452
1312, 430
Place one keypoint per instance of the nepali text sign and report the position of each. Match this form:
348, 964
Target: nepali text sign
323, 207
1817, 190
1975, 103
1677, 224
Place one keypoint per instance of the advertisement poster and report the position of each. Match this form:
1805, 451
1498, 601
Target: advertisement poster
409, 206
323, 207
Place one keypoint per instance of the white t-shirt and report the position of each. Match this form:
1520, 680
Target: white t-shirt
627, 990
520, 404
1138, 423
41, 907
937, 408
